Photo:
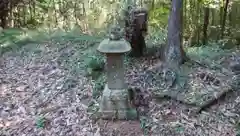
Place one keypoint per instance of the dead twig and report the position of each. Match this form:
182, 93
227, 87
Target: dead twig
51, 109
49, 99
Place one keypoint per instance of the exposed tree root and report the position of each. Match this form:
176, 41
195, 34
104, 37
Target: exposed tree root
174, 97
197, 108
213, 101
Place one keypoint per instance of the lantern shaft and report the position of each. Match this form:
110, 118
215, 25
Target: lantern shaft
115, 71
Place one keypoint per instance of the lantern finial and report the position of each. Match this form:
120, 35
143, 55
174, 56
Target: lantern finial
115, 33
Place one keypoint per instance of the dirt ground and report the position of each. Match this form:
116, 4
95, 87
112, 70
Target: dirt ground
39, 96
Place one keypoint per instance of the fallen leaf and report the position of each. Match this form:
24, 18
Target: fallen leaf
21, 88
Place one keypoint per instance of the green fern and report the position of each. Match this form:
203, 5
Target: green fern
41, 122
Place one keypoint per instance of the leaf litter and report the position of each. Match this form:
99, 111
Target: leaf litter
40, 95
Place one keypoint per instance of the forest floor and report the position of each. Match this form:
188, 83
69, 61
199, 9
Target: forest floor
44, 91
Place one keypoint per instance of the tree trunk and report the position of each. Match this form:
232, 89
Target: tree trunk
198, 22
3, 18
224, 18
221, 19
10, 16
185, 23
56, 14
31, 14
213, 17
205, 25
153, 3
4, 9
174, 54
230, 22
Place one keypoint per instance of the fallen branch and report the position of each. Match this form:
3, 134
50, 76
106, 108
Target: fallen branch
48, 100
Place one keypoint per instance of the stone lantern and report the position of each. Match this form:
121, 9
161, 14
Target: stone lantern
115, 99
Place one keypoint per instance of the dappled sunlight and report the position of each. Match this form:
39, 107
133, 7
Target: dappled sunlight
5, 124
5, 44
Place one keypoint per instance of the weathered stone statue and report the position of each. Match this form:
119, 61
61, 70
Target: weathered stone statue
136, 29
115, 101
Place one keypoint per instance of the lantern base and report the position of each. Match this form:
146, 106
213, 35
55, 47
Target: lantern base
115, 105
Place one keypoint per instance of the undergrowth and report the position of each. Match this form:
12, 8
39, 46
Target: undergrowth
14, 38
210, 55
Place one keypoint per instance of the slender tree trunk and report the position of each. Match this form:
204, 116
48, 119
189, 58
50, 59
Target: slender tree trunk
3, 13
205, 25
34, 8
22, 15
55, 13
30, 10
34, 12
85, 18
230, 16
234, 14
221, 18
153, 2
174, 54
224, 18
213, 17
75, 13
221, 13
10, 16
6, 7
19, 21
3, 20
141, 3
199, 23
185, 23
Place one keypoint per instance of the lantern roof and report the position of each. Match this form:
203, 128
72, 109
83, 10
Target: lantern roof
115, 43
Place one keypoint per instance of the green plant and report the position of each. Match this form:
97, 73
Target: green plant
131, 114
95, 66
156, 36
159, 16
98, 87
145, 125
14, 38
238, 129
41, 122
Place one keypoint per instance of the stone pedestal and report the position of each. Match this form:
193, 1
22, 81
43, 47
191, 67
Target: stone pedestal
114, 104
